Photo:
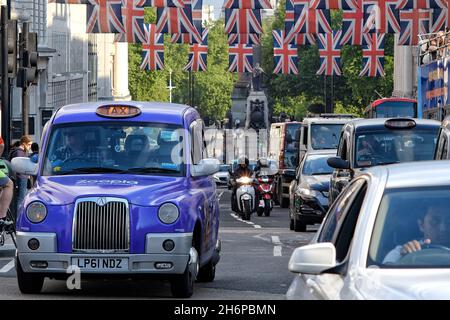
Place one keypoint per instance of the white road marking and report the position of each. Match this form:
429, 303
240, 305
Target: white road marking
247, 222
276, 240
220, 195
257, 226
277, 248
8, 267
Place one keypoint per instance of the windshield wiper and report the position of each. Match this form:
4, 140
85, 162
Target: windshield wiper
93, 170
387, 163
152, 170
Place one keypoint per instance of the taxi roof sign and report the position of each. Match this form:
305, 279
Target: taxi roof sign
118, 111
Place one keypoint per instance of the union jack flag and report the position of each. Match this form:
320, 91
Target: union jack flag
373, 55
104, 16
334, 4
196, 10
133, 20
352, 25
285, 55
152, 49
243, 21
183, 38
413, 22
198, 55
247, 4
164, 3
289, 16
240, 58
176, 20
247, 38
330, 53
303, 39
380, 16
440, 20
309, 21
442, 4
416, 4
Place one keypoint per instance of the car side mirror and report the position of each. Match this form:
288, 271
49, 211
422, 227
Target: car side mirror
338, 163
205, 167
313, 258
24, 165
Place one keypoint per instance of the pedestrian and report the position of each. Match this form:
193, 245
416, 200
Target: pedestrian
22, 150
13, 149
34, 152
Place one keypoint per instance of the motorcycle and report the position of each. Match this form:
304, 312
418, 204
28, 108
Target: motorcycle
265, 195
245, 196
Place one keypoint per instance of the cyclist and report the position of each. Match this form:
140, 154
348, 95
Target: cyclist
7, 187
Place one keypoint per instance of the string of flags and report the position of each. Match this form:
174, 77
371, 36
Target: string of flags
307, 22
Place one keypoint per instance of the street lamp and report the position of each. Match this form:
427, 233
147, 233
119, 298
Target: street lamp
170, 87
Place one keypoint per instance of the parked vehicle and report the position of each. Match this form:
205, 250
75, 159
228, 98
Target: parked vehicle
119, 207
373, 142
222, 176
283, 149
309, 190
357, 252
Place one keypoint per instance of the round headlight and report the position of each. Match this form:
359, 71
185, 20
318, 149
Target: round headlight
36, 212
168, 213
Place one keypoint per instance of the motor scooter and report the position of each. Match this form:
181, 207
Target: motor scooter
265, 195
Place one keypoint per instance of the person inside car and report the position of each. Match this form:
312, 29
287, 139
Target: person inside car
434, 226
76, 148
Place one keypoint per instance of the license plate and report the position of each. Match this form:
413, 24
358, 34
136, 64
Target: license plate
101, 264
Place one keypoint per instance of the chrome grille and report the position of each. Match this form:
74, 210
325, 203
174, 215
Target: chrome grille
101, 224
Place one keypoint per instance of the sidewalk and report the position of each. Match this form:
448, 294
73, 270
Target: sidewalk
7, 250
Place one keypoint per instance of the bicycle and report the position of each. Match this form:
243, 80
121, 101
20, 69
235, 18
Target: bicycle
11, 231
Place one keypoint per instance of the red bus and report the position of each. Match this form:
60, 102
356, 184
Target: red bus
392, 108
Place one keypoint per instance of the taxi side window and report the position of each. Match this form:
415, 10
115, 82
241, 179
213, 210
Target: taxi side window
198, 144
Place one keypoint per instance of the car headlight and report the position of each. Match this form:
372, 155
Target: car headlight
36, 212
168, 213
308, 192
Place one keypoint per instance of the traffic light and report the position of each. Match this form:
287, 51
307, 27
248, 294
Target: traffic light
28, 73
12, 48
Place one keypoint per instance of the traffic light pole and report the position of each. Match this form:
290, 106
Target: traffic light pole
4, 78
25, 93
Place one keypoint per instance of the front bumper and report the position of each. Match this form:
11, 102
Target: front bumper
145, 263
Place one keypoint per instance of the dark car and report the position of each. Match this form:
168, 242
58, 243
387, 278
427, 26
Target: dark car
373, 142
309, 190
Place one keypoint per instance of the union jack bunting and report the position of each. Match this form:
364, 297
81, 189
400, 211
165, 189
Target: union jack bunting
240, 58
164, 3
416, 4
333, 4
352, 25
152, 49
243, 21
183, 38
133, 20
289, 16
330, 53
442, 4
198, 55
309, 21
413, 22
196, 10
440, 19
303, 39
247, 38
373, 55
285, 55
380, 16
104, 16
176, 20
247, 4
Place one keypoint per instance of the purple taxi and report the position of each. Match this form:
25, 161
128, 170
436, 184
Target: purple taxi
122, 189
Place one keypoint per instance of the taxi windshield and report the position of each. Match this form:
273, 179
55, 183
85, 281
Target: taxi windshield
133, 148
416, 217
387, 147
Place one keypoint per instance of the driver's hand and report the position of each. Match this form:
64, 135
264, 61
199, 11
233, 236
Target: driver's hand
413, 246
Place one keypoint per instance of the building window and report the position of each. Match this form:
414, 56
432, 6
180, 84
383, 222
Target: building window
17, 128
58, 94
76, 90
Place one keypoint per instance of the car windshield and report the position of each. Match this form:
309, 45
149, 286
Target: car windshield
325, 136
291, 145
394, 109
124, 147
317, 165
224, 168
386, 147
412, 214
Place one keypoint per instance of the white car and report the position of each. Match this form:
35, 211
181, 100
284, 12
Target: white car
387, 236
222, 176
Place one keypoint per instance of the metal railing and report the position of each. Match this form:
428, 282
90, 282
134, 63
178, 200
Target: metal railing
433, 46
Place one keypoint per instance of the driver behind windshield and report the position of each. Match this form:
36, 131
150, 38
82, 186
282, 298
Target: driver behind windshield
434, 226
76, 149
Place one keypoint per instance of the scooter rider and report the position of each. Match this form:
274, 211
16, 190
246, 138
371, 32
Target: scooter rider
242, 170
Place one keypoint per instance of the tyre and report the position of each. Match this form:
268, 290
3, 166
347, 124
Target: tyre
284, 202
28, 283
267, 208
299, 226
207, 273
247, 210
291, 225
182, 286
259, 211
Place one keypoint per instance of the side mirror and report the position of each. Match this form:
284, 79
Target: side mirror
205, 167
24, 165
338, 163
313, 258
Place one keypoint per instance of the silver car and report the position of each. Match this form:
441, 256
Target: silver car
387, 236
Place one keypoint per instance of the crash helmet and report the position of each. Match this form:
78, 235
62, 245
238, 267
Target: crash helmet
243, 160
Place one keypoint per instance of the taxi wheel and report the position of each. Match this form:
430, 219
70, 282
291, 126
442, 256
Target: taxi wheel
182, 286
291, 225
207, 273
28, 283
299, 226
